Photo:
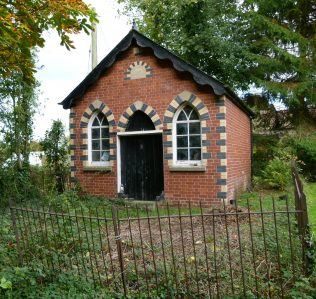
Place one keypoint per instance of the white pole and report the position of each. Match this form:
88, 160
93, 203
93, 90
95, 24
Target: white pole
94, 54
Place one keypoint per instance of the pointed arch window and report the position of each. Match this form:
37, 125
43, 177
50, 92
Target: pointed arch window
99, 140
187, 136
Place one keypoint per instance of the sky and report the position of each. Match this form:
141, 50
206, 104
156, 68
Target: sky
60, 70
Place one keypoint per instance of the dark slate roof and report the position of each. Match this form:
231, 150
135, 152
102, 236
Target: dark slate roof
135, 37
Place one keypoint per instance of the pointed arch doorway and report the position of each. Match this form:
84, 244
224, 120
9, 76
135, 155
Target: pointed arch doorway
140, 165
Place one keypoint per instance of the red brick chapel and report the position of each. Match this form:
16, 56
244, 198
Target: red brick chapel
146, 125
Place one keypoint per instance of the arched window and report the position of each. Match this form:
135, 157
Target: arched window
99, 139
187, 135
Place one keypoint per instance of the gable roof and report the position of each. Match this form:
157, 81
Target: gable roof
180, 65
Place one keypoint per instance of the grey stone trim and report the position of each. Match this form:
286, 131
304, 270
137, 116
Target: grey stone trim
205, 116
83, 125
221, 142
113, 145
200, 106
73, 179
113, 134
206, 155
167, 119
91, 107
133, 108
192, 98
179, 100
168, 156
83, 146
72, 147
83, 135
148, 110
221, 194
73, 168
171, 109
152, 113
206, 142
126, 115
120, 124
94, 168
167, 132
221, 182
206, 129
157, 123
84, 158
220, 115
220, 129
144, 107
73, 158
145, 72
87, 115
221, 155
187, 168
220, 102
72, 114
108, 113
221, 168
102, 106
112, 157
73, 136
167, 144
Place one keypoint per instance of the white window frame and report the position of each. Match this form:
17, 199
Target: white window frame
177, 162
90, 162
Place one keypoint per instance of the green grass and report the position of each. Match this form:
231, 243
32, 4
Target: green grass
310, 191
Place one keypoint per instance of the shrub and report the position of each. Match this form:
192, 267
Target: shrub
277, 173
305, 149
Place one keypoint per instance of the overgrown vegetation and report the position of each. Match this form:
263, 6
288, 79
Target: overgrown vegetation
55, 147
63, 260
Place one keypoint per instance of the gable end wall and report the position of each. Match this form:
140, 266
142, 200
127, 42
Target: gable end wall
158, 91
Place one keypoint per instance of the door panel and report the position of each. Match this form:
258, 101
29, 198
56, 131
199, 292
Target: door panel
142, 166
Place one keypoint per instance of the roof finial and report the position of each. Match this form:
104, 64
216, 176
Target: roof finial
134, 26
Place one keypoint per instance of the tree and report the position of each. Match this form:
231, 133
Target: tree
267, 44
55, 146
22, 23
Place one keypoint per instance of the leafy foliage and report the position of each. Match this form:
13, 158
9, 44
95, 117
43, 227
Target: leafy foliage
267, 44
55, 146
305, 149
23, 22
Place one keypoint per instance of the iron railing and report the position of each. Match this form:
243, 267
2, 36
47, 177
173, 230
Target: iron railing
252, 248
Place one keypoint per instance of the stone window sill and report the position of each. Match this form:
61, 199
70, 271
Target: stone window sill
97, 168
187, 168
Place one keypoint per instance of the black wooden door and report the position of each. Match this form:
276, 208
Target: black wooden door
142, 166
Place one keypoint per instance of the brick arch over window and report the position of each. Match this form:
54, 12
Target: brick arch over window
180, 100
95, 106
138, 105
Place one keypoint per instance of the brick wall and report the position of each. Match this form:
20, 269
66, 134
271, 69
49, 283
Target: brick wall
238, 150
161, 85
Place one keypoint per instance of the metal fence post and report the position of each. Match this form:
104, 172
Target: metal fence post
302, 218
16, 233
118, 240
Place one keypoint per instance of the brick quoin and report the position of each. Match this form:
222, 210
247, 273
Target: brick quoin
158, 90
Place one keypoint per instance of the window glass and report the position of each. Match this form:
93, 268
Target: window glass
182, 154
188, 135
182, 128
100, 139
